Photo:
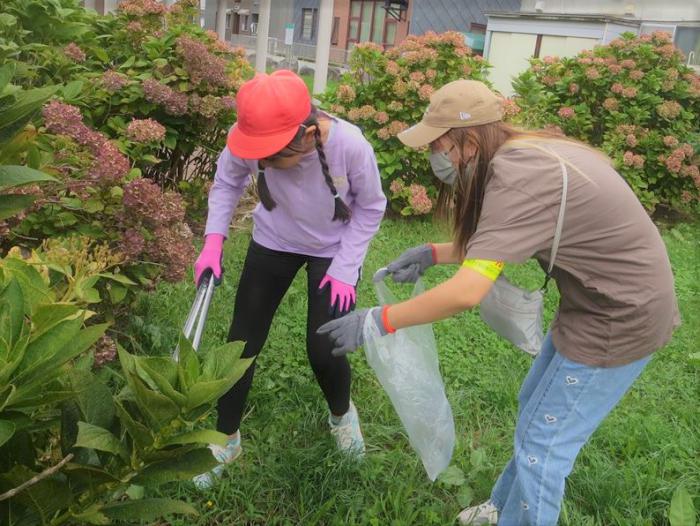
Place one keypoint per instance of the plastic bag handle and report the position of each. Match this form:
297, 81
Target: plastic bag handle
380, 275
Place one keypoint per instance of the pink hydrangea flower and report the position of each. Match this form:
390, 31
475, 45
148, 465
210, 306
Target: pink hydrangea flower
566, 112
573, 88
670, 141
110, 165
417, 76
145, 131
425, 91
142, 7
393, 68
617, 88
202, 65
615, 69
629, 93
611, 104
431, 74
395, 106
636, 74
400, 88
510, 108
367, 112
74, 52
134, 27
667, 50
383, 133
631, 140
228, 102
592, 73
419, 200
628, 158
396, 186
550, 60
549, 80
346, 93
354, 114
669, 109
628, 63
113, 81
381, 117
396, 127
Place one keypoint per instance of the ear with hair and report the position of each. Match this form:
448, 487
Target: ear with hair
264, 192
342, 211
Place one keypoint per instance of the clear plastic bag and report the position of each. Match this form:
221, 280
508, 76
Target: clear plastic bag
406, 364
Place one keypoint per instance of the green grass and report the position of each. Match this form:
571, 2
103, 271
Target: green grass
290, 473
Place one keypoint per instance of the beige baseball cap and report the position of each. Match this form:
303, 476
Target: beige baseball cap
459, 104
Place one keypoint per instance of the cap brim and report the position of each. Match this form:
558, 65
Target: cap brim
258, 147
420, 135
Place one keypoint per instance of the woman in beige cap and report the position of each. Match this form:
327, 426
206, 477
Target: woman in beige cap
508, 192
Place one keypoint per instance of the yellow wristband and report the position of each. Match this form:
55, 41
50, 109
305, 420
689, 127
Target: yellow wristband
485, 267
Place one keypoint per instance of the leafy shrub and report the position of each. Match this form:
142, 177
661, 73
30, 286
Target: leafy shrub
636, 100
70, 450
387, 91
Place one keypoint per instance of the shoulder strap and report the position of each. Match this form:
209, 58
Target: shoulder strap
560, 220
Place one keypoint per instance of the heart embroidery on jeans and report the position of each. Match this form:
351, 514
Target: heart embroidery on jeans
570, 380
532, 460
550, 419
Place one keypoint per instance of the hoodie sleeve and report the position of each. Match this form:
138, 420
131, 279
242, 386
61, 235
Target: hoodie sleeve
231, 178
367, 206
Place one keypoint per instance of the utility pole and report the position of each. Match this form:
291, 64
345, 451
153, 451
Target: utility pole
263, 32
221, 6
323, 45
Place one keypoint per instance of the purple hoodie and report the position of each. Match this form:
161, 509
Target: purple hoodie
301, 222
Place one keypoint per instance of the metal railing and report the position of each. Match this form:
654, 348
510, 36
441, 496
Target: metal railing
277, 47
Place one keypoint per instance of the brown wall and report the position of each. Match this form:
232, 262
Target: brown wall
342, 10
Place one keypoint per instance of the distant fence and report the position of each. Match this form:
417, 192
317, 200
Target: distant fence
277, 47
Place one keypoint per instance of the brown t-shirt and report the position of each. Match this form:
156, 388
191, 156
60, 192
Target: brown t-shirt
613, 273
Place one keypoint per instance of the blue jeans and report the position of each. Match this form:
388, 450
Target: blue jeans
561, 403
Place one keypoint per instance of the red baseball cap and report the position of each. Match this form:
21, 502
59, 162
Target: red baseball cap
270, 110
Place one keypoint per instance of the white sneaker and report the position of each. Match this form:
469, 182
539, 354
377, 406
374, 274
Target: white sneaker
347, 433
224, 455
485, 513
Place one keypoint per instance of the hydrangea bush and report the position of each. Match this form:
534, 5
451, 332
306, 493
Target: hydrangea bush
387, 91
633, 98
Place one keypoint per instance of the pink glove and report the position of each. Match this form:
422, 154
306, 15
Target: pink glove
209, 257
342, 295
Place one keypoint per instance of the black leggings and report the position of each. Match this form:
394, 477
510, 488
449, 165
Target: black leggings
266, 276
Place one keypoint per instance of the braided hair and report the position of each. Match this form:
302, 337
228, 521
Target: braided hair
342, 210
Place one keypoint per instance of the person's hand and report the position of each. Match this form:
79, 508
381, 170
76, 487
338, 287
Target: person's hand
347, 333
210, 257
342, 295
411, 265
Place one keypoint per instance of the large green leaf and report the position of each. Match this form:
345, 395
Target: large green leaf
12, 175
46, 346
182, 467
7, 71
94, 437
161, 382
45, 497
11, 315
200, 436
158, 408
147, 509
7, 429
93, 397
682, 512
139, 433
208, 391
48, 316
92, 515
11, 205
188, 364
18, 114
36, 291
218, 362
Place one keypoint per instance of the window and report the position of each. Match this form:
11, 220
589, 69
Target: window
254, 24
308, 19
336, 29
688, 40
369, 23
228, 20
244, 22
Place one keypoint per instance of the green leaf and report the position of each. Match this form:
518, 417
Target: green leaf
201, 436
120, 278
694, 358
164, 382
218, 362
11, 175
45, 497
452, 476
117, 293
94, 437
465, 496
48, 316
101, 54
94, 205
158, 408
92, 515
11, 205
135, 492
7, 429
182, 467
11, 314
682, 511
94, 398
188, 364
139, 433
17, 115
35, 290
70, 91
7, 71
147, 509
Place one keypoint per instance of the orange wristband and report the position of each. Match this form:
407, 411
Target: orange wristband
385, 320
434, 249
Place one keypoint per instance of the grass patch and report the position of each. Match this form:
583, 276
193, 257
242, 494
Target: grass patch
290, 473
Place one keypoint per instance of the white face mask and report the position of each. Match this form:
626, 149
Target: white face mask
445, 171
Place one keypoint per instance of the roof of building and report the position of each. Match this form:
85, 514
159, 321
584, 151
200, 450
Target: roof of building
444, 15
631, 21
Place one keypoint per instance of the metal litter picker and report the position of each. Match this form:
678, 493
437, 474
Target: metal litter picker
197, 316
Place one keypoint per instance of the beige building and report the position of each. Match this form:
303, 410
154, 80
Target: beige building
566, 27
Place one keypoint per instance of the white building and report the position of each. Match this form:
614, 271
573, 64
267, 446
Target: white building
566, 27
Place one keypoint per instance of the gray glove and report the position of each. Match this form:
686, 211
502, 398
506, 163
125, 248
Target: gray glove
411, 265
346, 333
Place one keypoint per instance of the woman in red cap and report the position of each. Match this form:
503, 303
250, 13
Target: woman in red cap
321, 204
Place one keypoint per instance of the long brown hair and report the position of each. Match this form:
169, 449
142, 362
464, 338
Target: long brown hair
462, 203
295, 147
